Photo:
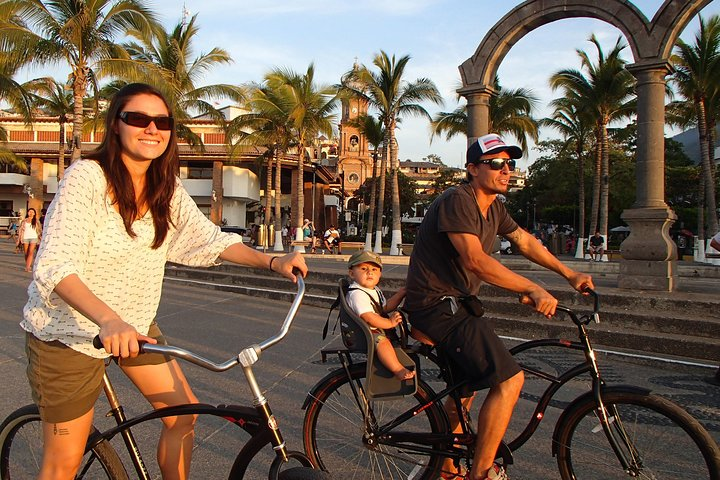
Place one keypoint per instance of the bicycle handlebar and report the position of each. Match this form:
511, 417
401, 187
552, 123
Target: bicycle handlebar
249, 354
582, 320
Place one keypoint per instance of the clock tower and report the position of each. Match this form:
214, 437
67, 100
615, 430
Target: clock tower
354, 158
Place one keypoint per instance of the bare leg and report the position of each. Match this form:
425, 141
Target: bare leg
493, 420
165, 385
386, 354
455, 427
63, 447
29, 249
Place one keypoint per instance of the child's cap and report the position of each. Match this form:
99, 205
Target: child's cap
364, 256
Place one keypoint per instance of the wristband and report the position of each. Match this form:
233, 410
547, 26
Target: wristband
271, 262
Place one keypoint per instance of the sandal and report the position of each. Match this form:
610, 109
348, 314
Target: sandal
461, 474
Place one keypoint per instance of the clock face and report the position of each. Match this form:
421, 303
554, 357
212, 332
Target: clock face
353, 109
353, 178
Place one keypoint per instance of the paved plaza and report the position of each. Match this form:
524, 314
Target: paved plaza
218, 324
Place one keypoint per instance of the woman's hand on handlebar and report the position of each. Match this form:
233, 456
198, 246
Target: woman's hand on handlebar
289, 265
120, 339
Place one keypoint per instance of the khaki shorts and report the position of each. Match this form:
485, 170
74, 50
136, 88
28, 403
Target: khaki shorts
65, 384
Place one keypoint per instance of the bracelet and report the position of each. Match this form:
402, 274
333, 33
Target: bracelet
271, 262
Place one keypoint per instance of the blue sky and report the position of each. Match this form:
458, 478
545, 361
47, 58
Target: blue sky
439, 35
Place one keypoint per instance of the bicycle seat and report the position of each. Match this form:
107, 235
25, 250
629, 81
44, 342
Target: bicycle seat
356, 335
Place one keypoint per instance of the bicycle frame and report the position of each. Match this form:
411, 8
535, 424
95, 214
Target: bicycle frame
590, 365
459, 445
462, 445
258, 421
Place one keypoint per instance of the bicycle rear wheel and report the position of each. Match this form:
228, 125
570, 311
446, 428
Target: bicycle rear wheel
335, 437
21, 441
668, 443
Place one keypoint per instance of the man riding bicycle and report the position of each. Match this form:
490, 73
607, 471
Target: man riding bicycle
450, 260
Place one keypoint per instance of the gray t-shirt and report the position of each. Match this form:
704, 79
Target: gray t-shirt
435, 268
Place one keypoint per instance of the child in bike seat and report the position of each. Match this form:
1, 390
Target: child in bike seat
368, 302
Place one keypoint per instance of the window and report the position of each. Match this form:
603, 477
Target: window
200, 170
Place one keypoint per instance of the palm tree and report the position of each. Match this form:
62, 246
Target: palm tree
268, 125
310, 108
20, 101
606, 92
576, 128
510, 113
394, 98
697, 74
80, 33
372, 129
56, 100
165, 59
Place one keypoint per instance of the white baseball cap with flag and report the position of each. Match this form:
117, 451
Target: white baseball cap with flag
489, 144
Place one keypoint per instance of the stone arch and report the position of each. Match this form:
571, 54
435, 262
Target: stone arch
649, 253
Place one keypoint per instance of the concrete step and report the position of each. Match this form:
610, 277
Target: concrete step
657, 325
604, 335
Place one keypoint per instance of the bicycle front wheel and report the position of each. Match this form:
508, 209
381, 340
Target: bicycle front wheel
337, 441
21, 441
661, 439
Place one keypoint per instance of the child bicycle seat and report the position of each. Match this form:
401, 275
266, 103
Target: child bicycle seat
381, 384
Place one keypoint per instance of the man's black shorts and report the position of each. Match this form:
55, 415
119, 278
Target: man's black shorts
470, 342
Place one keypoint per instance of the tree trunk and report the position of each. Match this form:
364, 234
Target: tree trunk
604, 183
580, 234
381, 197
61, 153
373, 199
594, 207
278, 247
396, 237
706, 133
79, 89
300, 195
217, 193
268, 198
701, 209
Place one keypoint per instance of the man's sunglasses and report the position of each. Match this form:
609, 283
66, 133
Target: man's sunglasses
140, 120
496, 163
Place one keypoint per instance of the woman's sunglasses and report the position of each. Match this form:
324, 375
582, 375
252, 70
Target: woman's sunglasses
496, 163
140, 120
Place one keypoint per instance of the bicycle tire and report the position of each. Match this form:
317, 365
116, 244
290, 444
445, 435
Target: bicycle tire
21, 450
668, 440
333, 432
304, 473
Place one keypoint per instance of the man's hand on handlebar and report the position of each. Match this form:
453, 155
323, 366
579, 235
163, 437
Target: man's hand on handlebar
542, 301
120, 339
289, 265
580, 282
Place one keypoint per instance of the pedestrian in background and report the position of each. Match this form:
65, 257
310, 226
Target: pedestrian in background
29, 234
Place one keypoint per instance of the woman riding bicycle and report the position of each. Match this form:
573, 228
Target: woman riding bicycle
116, 219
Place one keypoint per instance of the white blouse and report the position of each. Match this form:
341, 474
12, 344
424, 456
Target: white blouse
85, 235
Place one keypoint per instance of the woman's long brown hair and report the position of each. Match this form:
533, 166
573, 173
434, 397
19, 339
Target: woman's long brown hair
34, 219
159, 179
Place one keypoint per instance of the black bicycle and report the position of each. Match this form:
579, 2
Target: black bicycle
608, 432
21, 433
